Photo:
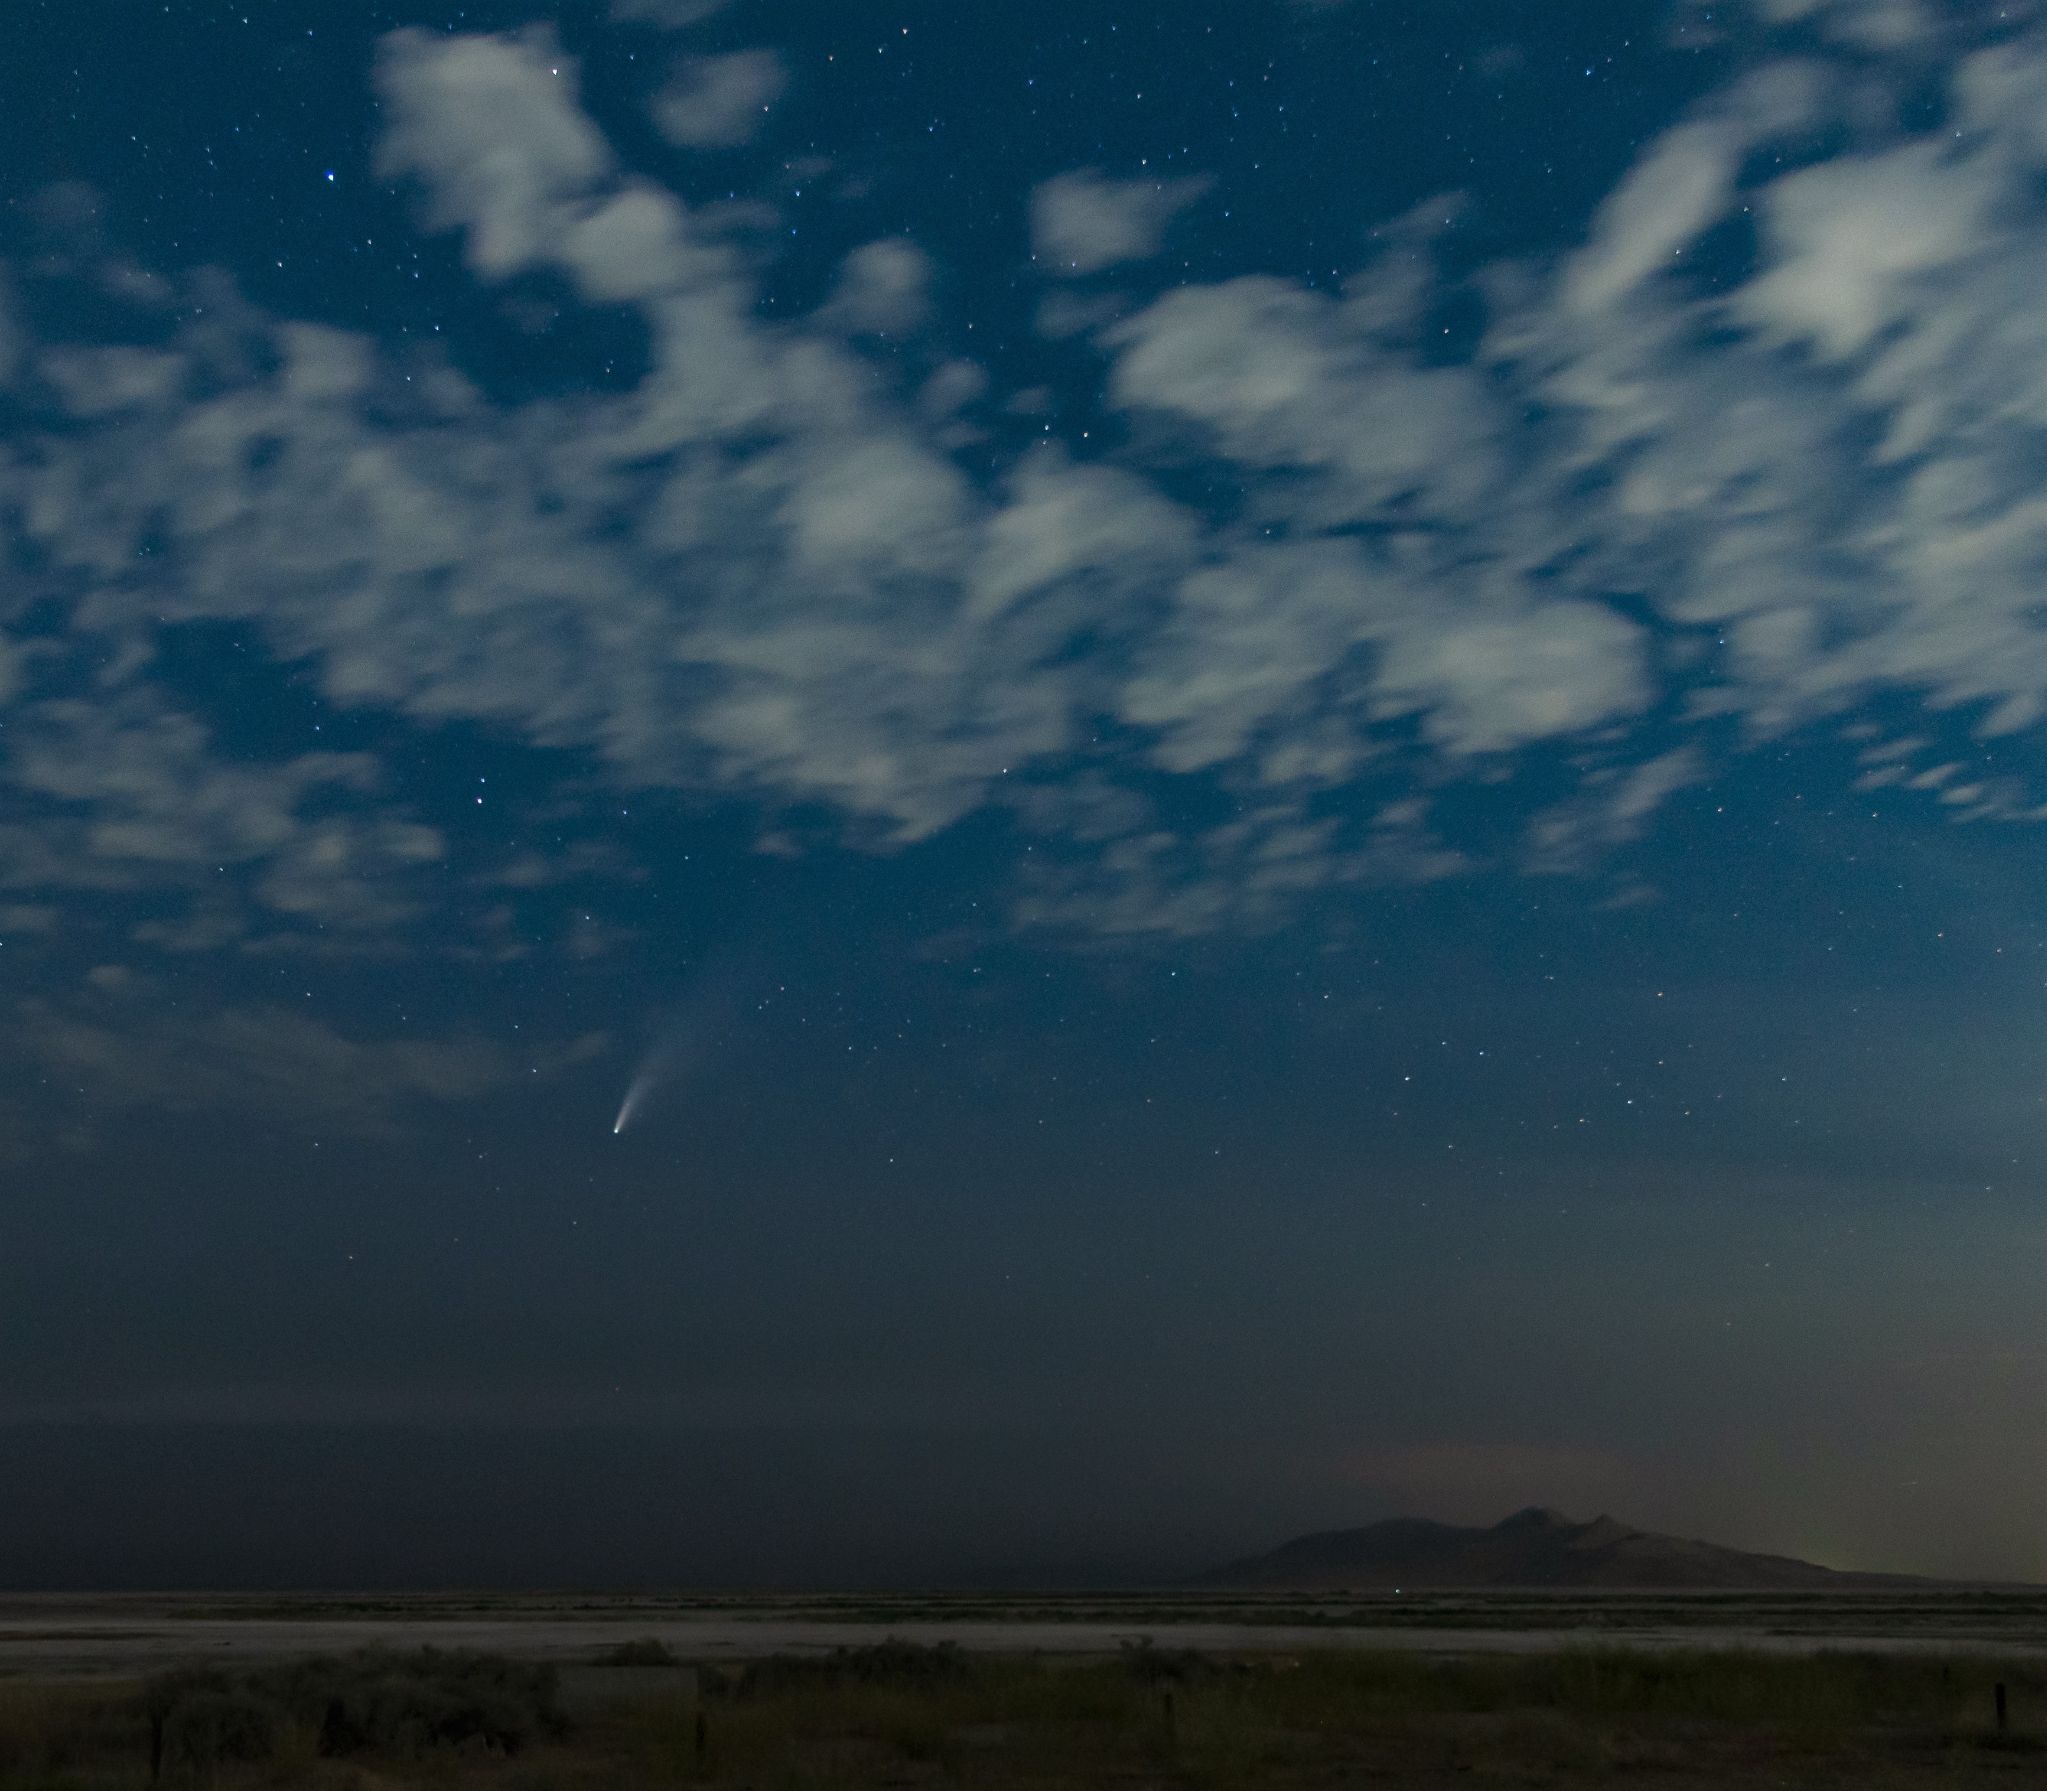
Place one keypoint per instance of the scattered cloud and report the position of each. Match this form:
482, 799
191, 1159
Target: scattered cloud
1279, 378
1652, 518
1850, 240
1685, 183
1085, 221
128, 795
491, 129
1869, 24
884, 289
719, 102
1244, 876
261, 1058
1615, 805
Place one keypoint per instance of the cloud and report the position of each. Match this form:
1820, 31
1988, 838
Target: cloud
669, 15
1877, 27
1848, 238
1074, 538
1686, 182
719, 102
1249, 643
1244, 876
1869, 24
125, 794
1278, 377
1666, 200
1084, 222
1615, 805
261, 1058
491, 128
1653, 519
10, 336
1496, 680
884, 288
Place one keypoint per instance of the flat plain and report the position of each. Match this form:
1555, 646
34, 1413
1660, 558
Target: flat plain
572, 1692
142, 1632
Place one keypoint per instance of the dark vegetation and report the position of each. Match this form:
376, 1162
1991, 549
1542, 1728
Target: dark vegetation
650, 1651
897, 1714
382, 1703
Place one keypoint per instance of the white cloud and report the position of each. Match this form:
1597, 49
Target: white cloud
883, 503
1246, 876
1666, 199
1847, 237
1262, 640
125, 794
1092, 530
1251, 644
720, 102
1084, 222
633, 248
1279, 378
761, 572
2003, 89
491, 128
1615, 806
884, 288
1493, 681
1686, 181
1879, 26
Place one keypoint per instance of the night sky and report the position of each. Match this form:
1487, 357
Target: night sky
803, 792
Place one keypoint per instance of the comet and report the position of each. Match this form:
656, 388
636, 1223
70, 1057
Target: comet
686, 1041
642, 1085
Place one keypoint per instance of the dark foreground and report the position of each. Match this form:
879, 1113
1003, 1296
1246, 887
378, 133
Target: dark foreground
897, 1714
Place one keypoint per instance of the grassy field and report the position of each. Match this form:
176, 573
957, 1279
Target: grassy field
897, 1715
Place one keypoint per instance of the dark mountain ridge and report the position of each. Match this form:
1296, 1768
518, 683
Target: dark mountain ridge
1533, 1548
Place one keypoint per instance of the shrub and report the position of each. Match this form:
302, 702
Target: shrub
889, 1663
648, 1651
1150, 1664
383, 1701
208, 1729
376, 1701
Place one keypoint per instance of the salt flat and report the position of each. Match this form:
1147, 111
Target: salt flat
127, 1633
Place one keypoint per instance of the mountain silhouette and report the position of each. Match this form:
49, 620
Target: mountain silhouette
1533, 1548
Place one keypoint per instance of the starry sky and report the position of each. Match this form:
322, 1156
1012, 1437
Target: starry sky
843, 794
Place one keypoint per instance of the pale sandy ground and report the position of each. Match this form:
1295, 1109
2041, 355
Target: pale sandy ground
45, 1635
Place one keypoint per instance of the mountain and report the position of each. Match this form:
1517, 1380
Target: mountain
1533, 1548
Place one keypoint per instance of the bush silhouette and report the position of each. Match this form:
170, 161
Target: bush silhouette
208, 1729
377, 1701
